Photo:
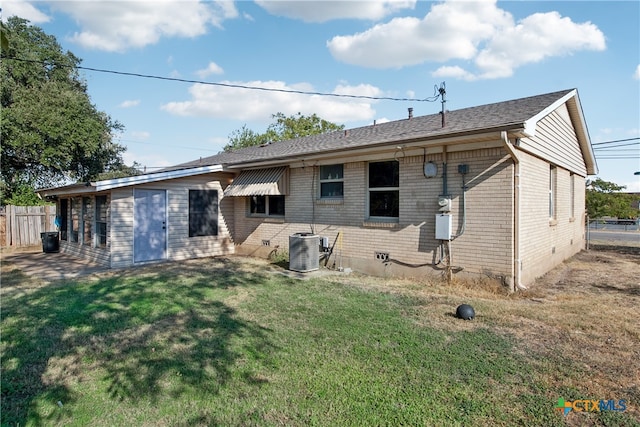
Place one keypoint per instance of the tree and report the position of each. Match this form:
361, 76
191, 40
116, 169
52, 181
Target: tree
606, 199
51, 132
295, 126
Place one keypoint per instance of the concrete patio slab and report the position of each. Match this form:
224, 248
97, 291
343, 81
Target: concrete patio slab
52, 266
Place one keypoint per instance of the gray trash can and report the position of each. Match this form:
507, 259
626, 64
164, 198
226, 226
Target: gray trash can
50, 241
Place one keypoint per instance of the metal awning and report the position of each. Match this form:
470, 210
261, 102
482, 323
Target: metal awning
260, 182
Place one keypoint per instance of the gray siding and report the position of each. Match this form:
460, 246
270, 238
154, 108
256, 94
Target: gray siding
121, 235
556, 141
179, 245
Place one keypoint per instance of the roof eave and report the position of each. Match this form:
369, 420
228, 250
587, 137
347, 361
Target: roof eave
67, 190
449, 139
577, 116
574, 107
154, 177
110, 184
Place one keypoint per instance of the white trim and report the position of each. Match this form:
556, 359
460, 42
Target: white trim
530, 124
154, 177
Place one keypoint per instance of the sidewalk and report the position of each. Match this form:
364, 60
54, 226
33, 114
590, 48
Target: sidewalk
51, 266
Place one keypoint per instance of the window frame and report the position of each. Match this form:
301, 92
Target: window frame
204, 205
328, 179
572, 195
553, 190
268, 201
64, 219
86, 224
74, 215
99, 222
380, 189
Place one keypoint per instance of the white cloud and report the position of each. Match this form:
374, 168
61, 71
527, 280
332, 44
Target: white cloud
450, 30
322, 11
129, 103
24, 10
248, 105
453, 72
147, 159
476, 31
632, 186
534, 39
117, 26
140, 135
636, 75
212, 68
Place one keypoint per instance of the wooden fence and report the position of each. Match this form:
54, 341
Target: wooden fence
22, 225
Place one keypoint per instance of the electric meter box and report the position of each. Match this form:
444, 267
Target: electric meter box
445, 203
444, 223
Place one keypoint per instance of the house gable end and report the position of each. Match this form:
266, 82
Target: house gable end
556, 141
559, 134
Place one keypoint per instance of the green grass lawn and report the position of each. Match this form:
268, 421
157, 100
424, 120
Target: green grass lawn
225, 345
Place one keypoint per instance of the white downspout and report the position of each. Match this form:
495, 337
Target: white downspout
517, 262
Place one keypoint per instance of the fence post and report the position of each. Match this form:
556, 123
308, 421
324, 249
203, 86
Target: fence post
11, 218
588, 231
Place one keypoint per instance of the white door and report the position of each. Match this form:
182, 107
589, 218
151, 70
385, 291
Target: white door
149, 225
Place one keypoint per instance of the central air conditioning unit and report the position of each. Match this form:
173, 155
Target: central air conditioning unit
304, 252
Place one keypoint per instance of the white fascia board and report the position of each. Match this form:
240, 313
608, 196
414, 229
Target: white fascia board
154, 177
530, 124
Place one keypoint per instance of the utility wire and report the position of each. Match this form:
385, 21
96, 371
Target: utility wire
617, 146
229, 85
617, 140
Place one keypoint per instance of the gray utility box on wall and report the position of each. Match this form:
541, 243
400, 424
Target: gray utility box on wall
304, 252
443, 226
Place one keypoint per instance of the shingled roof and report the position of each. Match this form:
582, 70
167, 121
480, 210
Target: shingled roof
505, 115
519, 115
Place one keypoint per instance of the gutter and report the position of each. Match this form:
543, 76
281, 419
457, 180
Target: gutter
389, 146
517, 262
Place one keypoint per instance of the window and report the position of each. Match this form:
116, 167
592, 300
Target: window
331, 181
572, 194
101, 221
384, 189
203, 213
75, 218
64, 218
86, 221
266, 206
552, 191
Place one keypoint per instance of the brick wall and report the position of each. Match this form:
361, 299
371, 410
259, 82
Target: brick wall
484, 248
546, 242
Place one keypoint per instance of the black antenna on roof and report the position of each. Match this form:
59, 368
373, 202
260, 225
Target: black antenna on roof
442, 91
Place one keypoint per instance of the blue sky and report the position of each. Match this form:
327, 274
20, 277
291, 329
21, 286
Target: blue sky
484, 51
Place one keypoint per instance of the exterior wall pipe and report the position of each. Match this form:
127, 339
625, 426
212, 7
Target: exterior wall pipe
464, 209
517, 262
445, 190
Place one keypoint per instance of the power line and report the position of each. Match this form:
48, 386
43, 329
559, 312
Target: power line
617, 146
617, 140
164, 145
229, 85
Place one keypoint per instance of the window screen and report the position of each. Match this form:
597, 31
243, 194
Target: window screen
203, 213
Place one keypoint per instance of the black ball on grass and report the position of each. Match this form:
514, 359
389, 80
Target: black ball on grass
465, 311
